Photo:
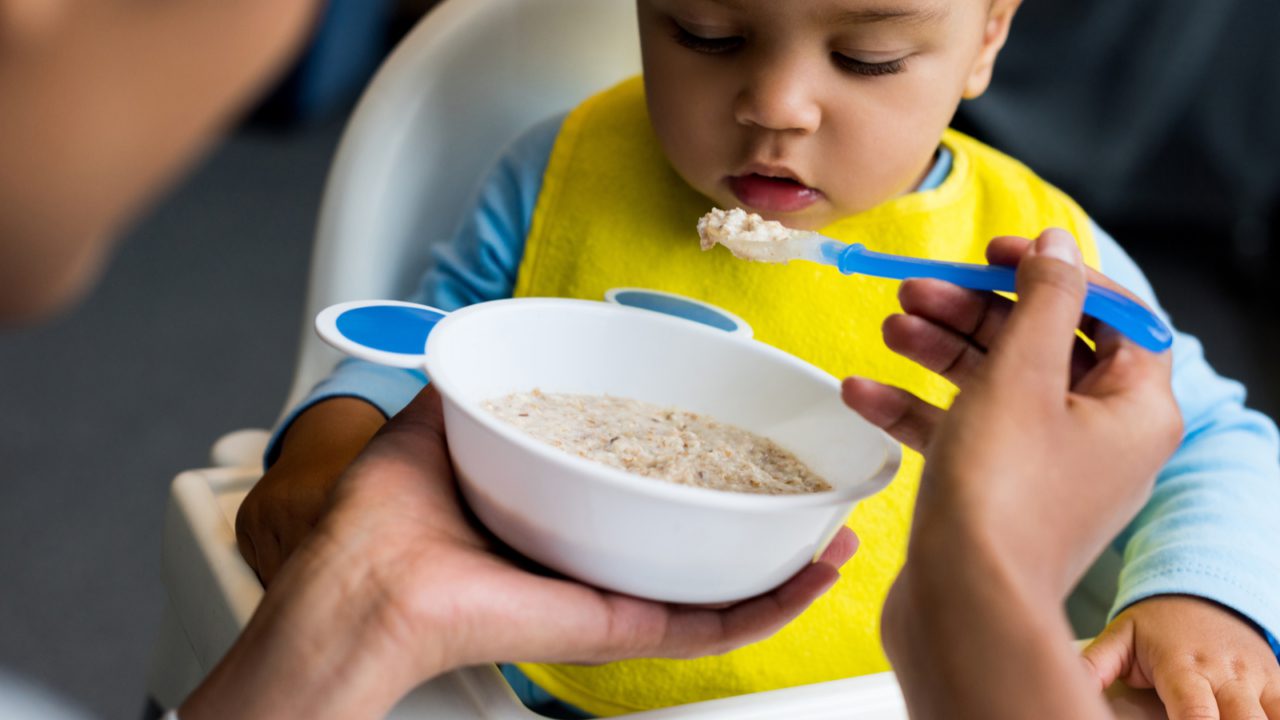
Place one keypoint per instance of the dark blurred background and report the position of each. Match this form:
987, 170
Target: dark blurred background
1159, 116
1162, 118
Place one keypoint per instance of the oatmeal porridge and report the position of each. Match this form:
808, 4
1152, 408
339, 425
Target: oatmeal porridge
750, 237
664, 443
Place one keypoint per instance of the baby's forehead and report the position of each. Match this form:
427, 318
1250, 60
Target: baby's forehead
892, 11
836, 14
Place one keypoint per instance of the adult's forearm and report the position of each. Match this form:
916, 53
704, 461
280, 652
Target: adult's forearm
321, 645
104, 102
969, 637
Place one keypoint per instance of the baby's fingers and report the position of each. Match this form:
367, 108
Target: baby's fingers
1238, 700
1111, 655
1271, 699
1187, 695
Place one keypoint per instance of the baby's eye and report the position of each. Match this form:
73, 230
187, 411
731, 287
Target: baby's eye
702, 44
869, 69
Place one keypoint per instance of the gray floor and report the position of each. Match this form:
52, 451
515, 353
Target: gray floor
192, 334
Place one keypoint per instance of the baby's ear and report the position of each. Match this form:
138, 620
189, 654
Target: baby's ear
999, 18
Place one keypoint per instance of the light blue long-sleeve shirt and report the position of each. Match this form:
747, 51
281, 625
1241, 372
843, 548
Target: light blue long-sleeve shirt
1209, 529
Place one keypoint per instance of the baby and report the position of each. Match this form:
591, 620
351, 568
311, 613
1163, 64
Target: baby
831, 115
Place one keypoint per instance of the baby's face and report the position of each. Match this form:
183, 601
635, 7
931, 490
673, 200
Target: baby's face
807, 111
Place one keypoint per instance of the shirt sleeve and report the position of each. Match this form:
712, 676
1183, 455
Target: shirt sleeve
1210, 527
477, 264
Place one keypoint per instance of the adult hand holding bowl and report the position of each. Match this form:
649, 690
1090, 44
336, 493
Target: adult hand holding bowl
602, 525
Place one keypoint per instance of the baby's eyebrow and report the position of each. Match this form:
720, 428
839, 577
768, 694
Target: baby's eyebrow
914, 15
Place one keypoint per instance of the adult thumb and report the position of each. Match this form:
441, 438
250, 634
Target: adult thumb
1040, 334
416, 428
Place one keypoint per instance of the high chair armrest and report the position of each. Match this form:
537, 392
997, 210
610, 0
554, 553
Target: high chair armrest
240, 448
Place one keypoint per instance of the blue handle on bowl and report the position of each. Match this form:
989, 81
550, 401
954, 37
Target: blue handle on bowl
1130, 318
387, 332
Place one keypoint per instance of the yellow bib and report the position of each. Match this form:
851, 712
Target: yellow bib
613, 213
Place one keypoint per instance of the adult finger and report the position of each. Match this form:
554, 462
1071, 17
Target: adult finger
837, 552
694, 632
976, 314
1117, 365
1039, 335
1122, 364
410, 444
910, 420
697, 631
933, 347
1130, 380
960, 325
1007, 250
407, 457
840, 549
420, 424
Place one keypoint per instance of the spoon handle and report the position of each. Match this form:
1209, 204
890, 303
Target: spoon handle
1120, 312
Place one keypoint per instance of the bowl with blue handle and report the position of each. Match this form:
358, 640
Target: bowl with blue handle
603, 525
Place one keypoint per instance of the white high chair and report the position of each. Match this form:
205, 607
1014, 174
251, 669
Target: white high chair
464, 83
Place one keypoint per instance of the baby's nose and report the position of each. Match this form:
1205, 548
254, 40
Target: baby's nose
777, 98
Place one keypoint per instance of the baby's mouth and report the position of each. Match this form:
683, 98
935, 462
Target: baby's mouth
771, 194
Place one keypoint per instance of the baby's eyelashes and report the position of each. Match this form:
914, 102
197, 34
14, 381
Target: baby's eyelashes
705, 41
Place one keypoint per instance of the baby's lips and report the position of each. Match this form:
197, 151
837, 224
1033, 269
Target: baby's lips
773, 195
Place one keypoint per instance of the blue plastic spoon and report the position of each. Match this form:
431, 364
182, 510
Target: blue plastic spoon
1120, 312
779, 244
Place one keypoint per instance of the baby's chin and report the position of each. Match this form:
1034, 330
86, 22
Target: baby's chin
815, 217
804, 220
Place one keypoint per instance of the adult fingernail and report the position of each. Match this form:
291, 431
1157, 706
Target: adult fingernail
1059, 245
831, 583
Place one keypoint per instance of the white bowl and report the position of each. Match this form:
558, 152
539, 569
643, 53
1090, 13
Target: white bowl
625, 532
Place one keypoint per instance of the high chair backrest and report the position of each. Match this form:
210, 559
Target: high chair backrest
465, 82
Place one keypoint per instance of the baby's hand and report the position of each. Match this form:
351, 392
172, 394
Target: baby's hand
1202, 659
280, 511
284, 506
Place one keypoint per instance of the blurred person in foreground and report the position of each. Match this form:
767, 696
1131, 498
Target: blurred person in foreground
104, 104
